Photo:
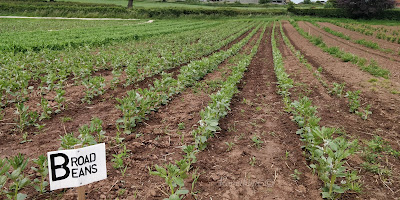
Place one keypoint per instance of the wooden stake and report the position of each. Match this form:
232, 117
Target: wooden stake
80, 190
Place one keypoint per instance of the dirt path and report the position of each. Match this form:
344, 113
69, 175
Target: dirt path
359, 36
382, 59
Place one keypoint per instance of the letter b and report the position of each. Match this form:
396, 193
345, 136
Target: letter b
53, 166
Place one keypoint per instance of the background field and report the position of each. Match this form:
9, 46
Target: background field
240, 103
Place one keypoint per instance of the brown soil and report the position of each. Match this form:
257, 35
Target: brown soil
77, 110
334, 110
229, 175
257, 110
156, 134
381, 58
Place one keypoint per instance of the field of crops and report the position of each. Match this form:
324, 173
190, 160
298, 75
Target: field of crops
258, 108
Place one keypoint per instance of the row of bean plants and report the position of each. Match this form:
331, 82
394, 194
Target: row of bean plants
326, 151
363, 42
24, 25
380, 33
138, 103
372, 67
337, 89
95, 85
97, 36
53, 68
218, 107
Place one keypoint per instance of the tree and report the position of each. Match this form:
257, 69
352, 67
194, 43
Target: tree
307, 2
290, 7
331, 4
130, 3
365, 8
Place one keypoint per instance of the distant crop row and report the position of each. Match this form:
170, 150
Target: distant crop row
58, 40
380, 33
157, 55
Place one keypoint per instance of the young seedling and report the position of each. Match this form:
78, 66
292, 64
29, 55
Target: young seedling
182, 136
364, 114
17, 177
40, 127
337, 89
23, 116
257, 142
60, 99
4, 167
66, 119
116, 74
25, 138
296, 175
68, 141
287, 154
252, 161
230, 145
47, 111
195, 177
95, 86
117, 138
354, 102
40, 185
181, 126
174, 176
118, 160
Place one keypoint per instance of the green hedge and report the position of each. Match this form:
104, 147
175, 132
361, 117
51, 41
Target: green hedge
70, 9
340, 13
319, 12
177, 12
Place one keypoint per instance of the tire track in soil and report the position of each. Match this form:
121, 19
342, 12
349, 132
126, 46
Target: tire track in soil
74, 93
381, 58
332, 111
359, 36
160, 144
81, 113
228, 175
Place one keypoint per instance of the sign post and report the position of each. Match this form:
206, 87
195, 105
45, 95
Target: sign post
81, 189
77, 167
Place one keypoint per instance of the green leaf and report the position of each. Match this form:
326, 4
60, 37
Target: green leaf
5, 168
326, 195
24, 182
21, 196
182, 191
174, 197
178, 181
3, 180
14, 175
338, 189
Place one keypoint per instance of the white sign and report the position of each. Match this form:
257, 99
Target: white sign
77, 167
